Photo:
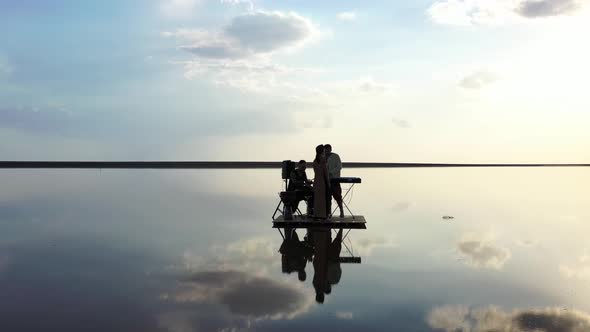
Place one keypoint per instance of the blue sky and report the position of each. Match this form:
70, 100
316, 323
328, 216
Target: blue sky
437, 80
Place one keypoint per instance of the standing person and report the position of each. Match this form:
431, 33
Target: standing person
321, 184
334, 167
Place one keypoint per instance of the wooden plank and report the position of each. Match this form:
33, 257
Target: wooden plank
334, 219
347, 222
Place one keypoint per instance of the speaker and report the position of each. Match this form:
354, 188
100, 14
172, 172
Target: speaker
288, 167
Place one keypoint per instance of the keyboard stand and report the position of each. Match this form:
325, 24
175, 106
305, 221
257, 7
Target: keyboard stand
343, 202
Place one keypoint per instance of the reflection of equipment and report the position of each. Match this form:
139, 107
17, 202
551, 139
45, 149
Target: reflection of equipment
288, 200
352, 182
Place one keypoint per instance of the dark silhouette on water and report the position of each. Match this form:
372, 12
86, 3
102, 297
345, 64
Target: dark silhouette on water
319, 248
301, 185
326, 264
295, 254
334, 167
321, 184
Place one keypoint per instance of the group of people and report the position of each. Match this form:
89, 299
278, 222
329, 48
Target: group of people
317, 247
318, 194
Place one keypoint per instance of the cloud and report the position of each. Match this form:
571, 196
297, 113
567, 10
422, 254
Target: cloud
468, 12
477, 80
343, 315
365, 246
485, 12
369, 85
244, 294
248, 35
448, 318
240, 54
579, 270
461, 318
546, 8
270, 31
346, 16
401, 123
207, 44
483, 254
248, 3
179, 8
254, 255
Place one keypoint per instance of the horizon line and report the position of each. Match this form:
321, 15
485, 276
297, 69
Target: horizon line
248, 164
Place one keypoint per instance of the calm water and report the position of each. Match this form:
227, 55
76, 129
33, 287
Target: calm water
194, 251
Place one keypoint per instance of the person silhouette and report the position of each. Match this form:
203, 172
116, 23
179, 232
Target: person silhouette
326, 262
294, 254
321, 185
334, 165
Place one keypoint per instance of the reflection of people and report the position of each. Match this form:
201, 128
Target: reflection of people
295, 254
334, 165
299, 183
326, 262
321, 185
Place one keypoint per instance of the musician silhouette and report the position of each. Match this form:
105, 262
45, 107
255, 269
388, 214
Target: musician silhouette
295, 254
326, 264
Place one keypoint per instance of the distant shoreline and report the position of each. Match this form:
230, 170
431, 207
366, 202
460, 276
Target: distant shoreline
240, 165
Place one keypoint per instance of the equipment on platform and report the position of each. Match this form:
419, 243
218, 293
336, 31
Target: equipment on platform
289, 216
346, 180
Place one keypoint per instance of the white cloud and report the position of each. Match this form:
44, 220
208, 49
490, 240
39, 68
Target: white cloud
240, 54
483, 253
248, 3
477, 80
448, 318
461, 318
346, 16
369, 85
487, 12
254, 255
468, 12
579, 270
179, 8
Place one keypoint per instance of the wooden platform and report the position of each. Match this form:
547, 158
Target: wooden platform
335, 222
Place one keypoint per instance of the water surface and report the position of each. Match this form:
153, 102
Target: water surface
141, 250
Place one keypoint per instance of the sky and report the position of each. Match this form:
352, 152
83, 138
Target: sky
393, 81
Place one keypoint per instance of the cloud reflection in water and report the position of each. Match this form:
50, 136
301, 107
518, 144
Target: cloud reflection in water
461, 318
